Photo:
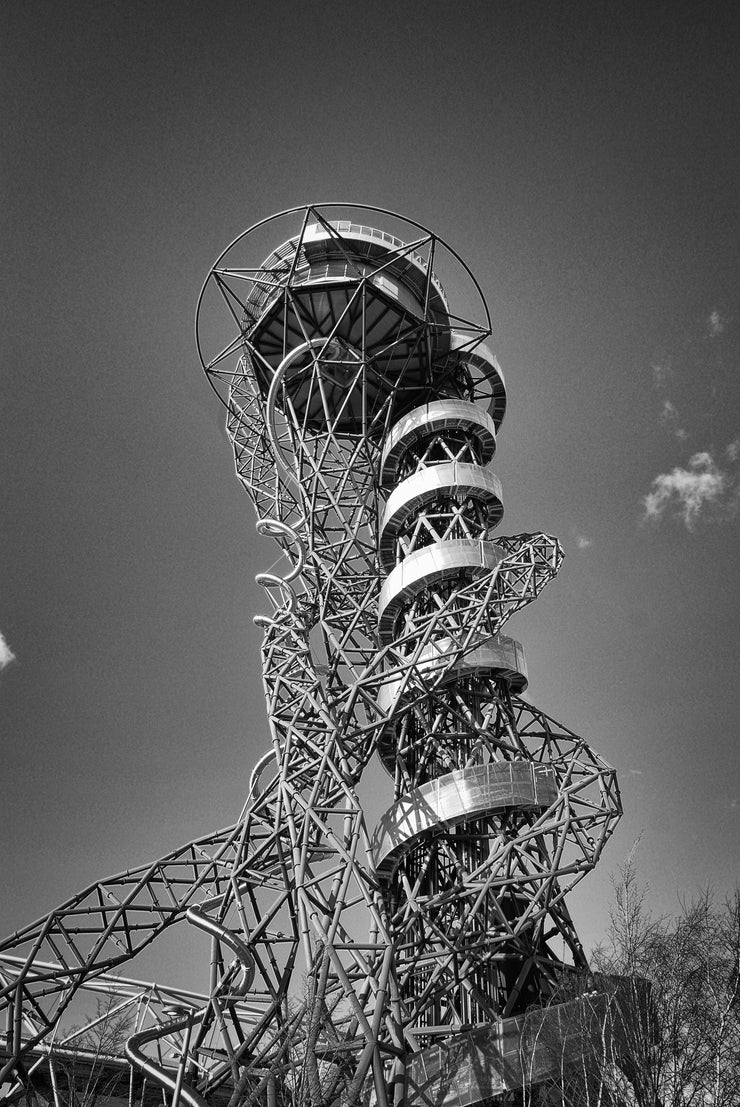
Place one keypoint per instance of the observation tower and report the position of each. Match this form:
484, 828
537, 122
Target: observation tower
391, 961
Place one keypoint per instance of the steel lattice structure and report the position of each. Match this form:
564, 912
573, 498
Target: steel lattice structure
355, 963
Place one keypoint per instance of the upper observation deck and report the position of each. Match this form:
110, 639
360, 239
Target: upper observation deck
354, 320
355, 251
355, 323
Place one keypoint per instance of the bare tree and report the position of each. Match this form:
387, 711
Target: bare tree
657, 1021
87, 1068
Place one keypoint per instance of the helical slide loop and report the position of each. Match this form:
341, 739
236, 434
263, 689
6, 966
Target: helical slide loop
277, 529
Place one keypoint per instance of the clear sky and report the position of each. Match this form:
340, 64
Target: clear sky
584, 159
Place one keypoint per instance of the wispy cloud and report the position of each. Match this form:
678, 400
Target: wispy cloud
670, 418
699, 490
695, 387
661, 373
6, 654
582, 542
669, 412
715, 324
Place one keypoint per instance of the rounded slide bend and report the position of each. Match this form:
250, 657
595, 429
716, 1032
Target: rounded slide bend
133, 1048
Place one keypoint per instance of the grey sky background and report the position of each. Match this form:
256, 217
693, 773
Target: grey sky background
583, 158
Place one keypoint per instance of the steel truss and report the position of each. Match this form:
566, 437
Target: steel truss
363, 416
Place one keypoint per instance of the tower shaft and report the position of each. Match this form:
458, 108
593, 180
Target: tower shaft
395, 964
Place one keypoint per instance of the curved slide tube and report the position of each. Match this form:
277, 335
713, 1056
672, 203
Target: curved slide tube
133, 1048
